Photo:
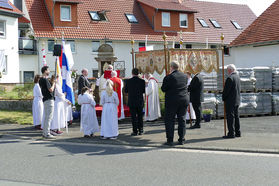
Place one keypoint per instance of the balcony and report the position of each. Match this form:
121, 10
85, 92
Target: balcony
27, 46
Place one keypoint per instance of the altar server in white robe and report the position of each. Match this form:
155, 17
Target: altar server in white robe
109, 120
37, 106
68, 113
152, 106
88, 122
190, 109
59, 115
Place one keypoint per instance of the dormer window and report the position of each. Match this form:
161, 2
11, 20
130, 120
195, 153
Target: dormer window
203, 23
183, 20
236, 25
131, 18
166, 19
98, 15
215, 23
65, 13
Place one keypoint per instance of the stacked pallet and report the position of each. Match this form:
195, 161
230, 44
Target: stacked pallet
275, 100
264, 103
210, 81
210, 102
247, 79
275, 79
263, 76
220, 79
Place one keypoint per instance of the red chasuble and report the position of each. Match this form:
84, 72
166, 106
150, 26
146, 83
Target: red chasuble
117, 88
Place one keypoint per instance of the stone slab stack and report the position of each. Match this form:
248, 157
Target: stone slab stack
263, 77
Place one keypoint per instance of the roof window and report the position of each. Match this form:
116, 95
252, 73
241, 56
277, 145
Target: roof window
98, 15
131, 18
215, 23
236, 25
203, 23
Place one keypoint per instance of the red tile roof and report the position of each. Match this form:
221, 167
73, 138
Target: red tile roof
264, 29
162, 5
118, 28
23, 20
69, 1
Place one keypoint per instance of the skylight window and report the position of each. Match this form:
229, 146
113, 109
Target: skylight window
203, 23
98, 15
236, 25
131, 18
215, 23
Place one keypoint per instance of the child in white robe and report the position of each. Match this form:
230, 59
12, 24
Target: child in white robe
109, 120
37, 106
59, 115
88, 122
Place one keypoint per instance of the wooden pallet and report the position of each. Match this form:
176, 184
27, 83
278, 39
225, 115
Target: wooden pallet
263, 90
247, 91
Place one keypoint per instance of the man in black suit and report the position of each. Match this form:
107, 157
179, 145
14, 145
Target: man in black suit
176, 103
83, 81
196, 97
231, 98
135, 87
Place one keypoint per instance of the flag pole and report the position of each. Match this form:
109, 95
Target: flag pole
132, 45
223, 73
165, 51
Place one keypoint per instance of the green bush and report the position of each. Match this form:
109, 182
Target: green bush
207, 111
24, 92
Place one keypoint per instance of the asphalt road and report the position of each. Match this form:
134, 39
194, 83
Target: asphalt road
35, 162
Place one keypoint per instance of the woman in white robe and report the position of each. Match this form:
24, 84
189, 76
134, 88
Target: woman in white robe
88, 122
109, 120
37, 106
190, 106
68, 113
59, 117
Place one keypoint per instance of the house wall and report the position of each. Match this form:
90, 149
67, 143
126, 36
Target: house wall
249, 56
74, 16
10, 45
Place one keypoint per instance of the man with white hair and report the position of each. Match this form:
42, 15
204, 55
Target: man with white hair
152, 107
83, 81
117, 87
103, 79
231, 98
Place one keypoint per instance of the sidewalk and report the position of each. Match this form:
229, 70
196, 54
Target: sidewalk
259, 134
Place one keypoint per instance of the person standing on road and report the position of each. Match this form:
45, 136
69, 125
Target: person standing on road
83, 81
135, 87
196, 97
47, 89
231, 98
176, 103
37, 106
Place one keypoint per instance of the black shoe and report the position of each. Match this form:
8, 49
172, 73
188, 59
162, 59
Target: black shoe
91, 135
134, 134
195, 126
169, 143
141, 132
238, 135
86, 136
228, 136
181, 142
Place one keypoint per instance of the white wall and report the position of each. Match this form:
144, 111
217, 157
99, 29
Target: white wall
249, 56
10, 45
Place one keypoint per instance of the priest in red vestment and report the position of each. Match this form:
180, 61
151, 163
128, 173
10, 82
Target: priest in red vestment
117, 87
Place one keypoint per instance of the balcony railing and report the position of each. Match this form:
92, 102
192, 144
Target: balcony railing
27, 46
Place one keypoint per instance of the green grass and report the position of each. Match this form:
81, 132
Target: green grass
18, 92
16, 117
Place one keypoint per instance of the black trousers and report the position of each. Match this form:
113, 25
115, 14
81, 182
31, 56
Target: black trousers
197, 109
137, 118
232, 120
175, 109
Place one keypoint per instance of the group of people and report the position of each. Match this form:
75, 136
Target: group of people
183, 96
51, 110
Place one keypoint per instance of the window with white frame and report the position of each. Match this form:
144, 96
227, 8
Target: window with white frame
236, 25
131, 18
65, 13
2, 28
72, 44
166, 19
98, 15
183, 20
50, 45
202, 22
215, 23
95, 46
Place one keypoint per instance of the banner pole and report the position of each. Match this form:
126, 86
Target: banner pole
223, 73
165, 52
133, 58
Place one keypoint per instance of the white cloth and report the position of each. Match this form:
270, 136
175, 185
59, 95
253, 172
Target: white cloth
109, 121
102, 84
88, 122
59, 117
37, 106
122, 107
192, 112
153, 111
68, 112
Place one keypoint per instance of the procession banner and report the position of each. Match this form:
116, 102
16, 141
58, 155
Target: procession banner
190, 60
